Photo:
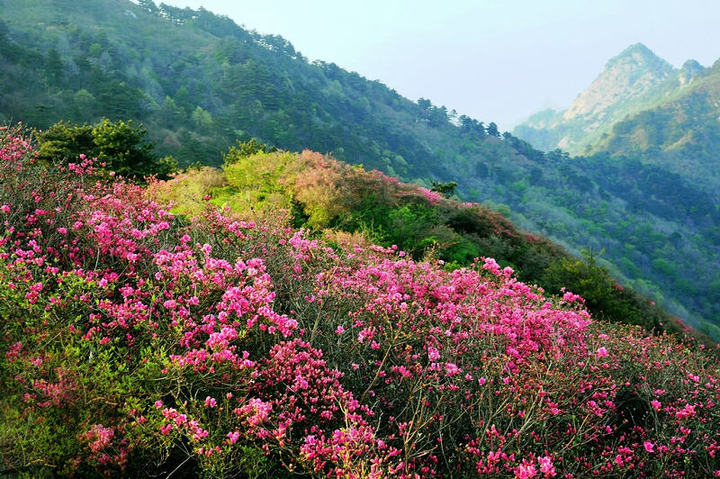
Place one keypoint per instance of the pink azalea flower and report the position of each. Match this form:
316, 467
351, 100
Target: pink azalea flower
546, 466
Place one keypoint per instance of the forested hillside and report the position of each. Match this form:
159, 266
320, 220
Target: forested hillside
334, 199
681, 134
198, 82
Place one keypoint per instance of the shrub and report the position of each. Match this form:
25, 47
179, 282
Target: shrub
120, 146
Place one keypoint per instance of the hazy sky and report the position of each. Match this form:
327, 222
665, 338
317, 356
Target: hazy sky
495, 60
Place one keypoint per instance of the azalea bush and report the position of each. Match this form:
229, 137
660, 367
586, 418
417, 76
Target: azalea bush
323, 194
135, 341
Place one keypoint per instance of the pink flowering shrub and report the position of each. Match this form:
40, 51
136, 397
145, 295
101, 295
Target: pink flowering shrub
134, 342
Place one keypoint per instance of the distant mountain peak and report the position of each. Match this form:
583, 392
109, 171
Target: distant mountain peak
689, 71
637, 49
641, 57
693, 65
626, 76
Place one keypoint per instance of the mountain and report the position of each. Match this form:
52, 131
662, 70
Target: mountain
199, 83
680, 133
630, 82
641, 117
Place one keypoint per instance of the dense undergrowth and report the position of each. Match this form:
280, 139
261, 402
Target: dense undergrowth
136, 341
323, 194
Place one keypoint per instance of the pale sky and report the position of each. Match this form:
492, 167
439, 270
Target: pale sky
494, 60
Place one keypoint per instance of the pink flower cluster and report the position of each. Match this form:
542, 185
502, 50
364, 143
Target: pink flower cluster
133, 336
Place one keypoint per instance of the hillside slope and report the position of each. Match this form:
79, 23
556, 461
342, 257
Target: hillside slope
139, 343
199, 82
332, 198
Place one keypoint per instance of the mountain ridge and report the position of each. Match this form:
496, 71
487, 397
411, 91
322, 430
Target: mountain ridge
678, 132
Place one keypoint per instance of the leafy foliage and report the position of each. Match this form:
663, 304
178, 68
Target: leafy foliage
120, 146
445, 189
603, 296
324, 194
244, 149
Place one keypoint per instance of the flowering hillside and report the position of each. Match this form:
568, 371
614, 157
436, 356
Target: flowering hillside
323, 194
135, 342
